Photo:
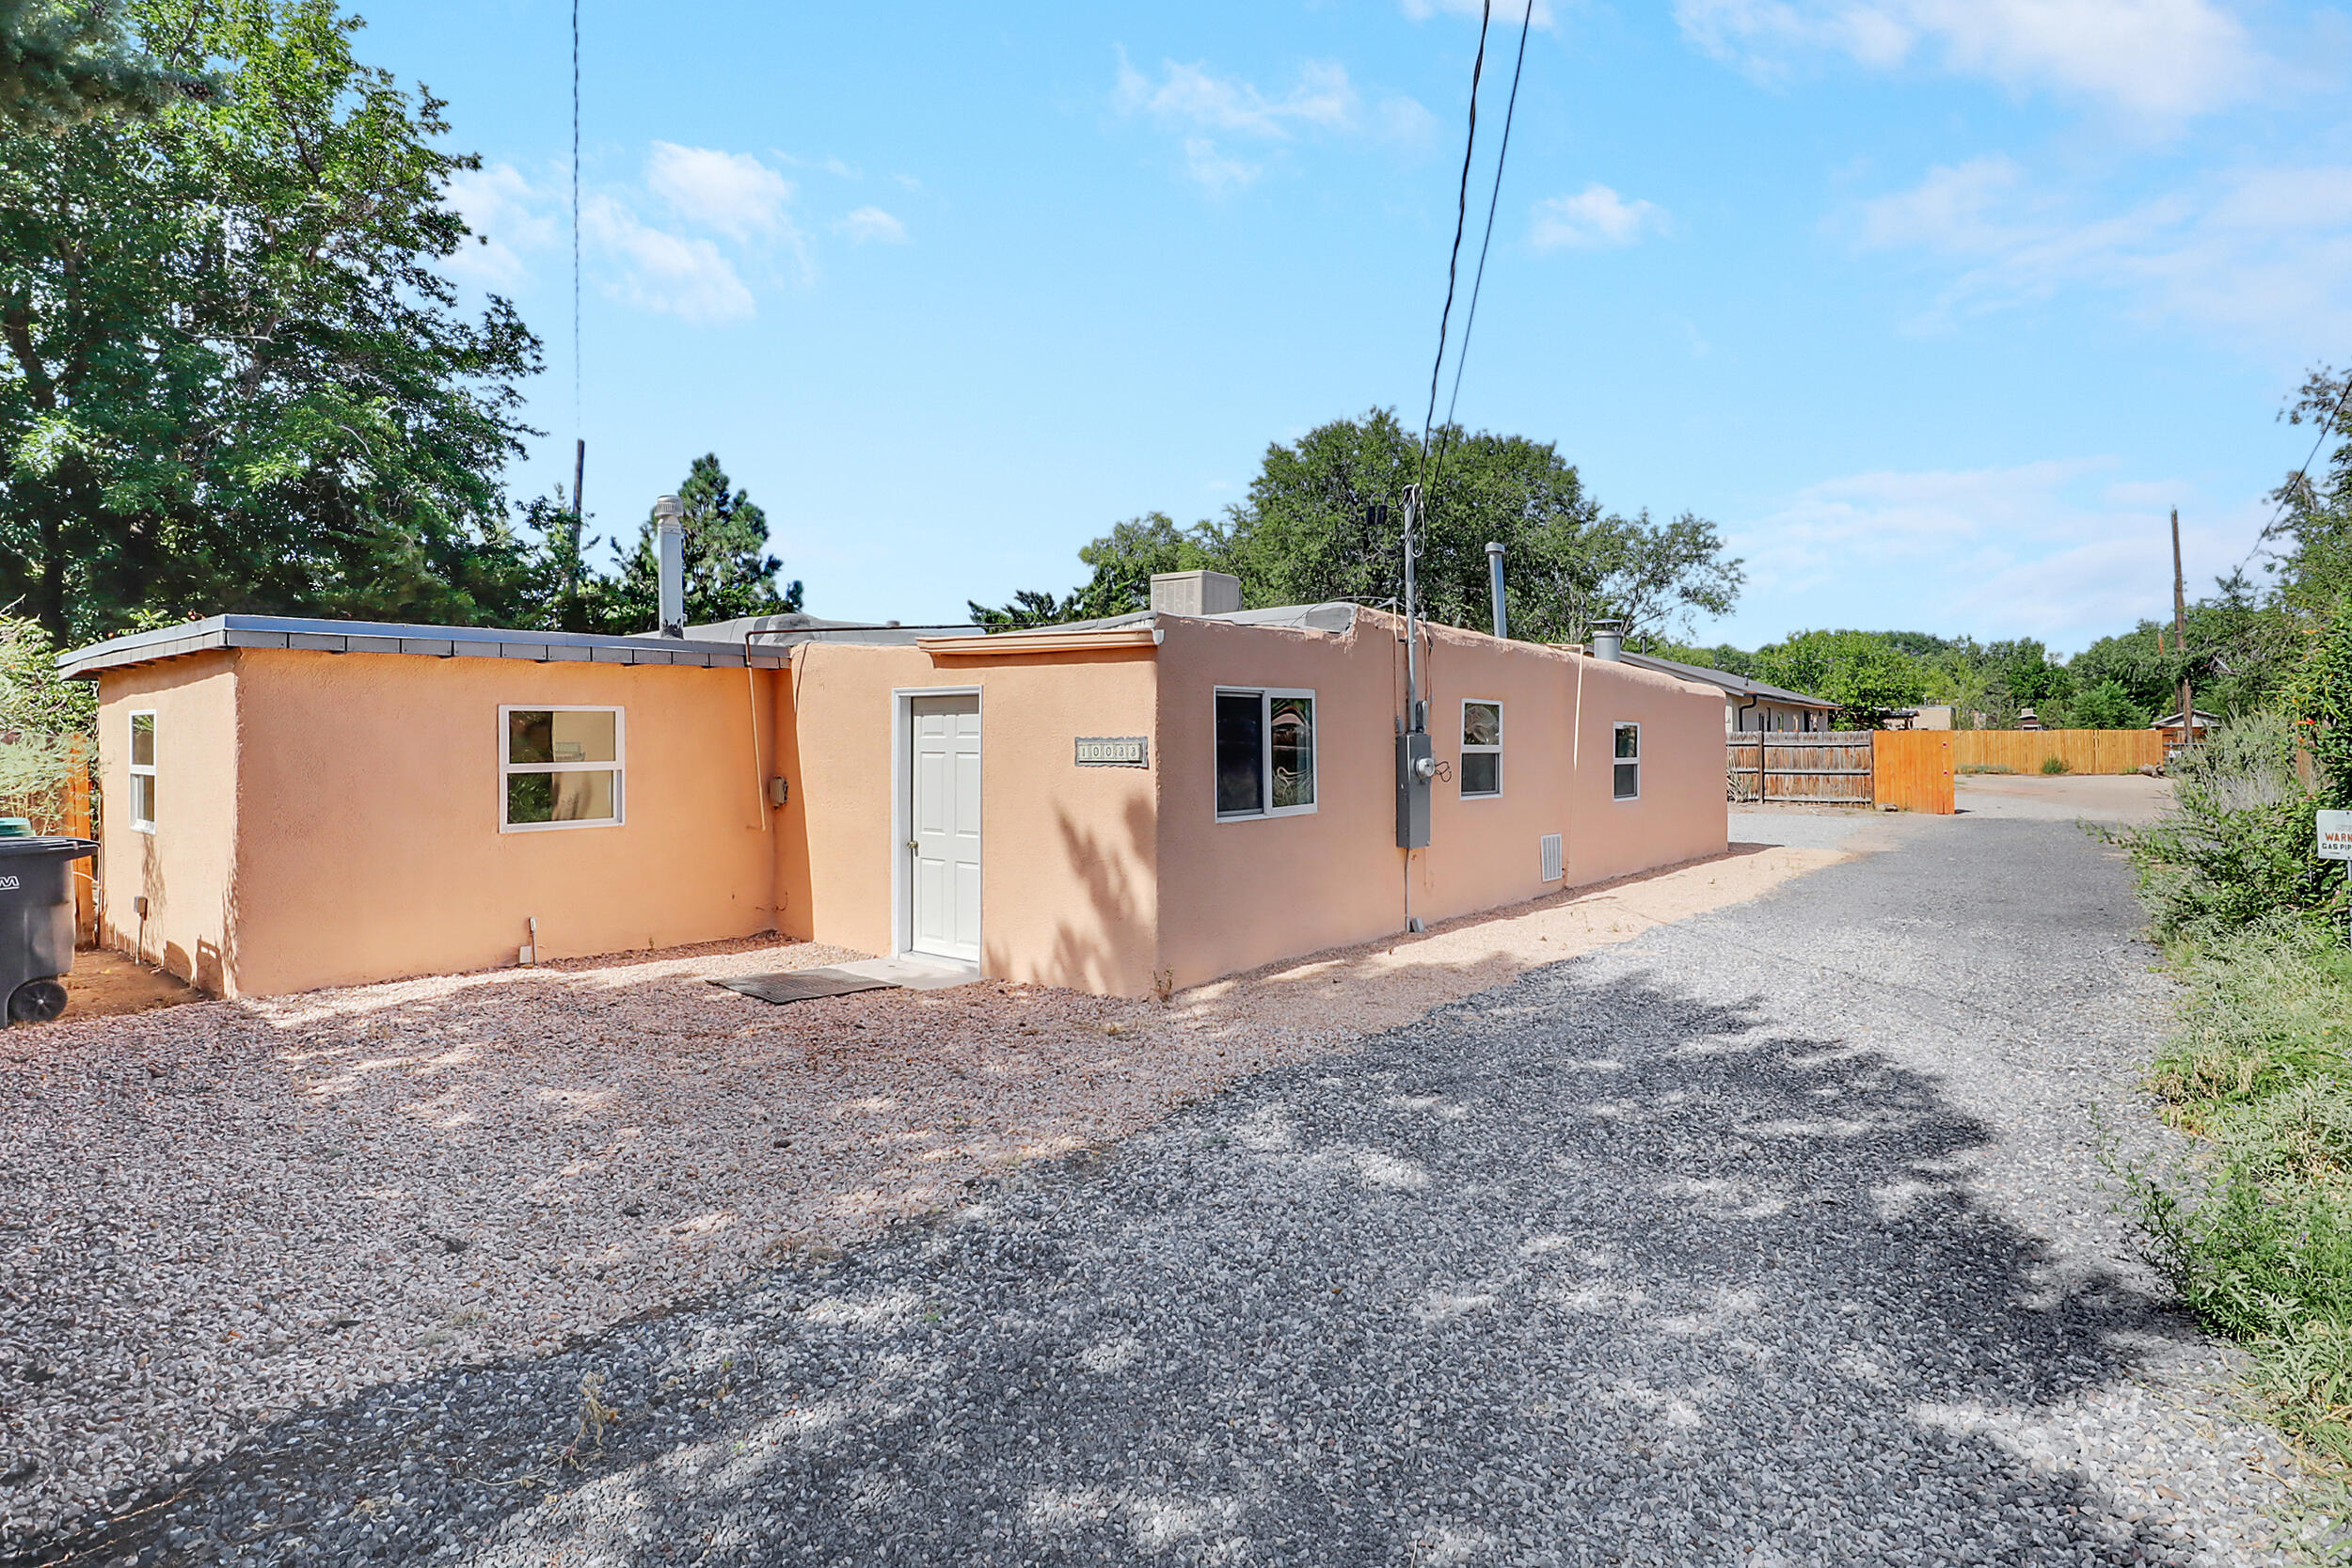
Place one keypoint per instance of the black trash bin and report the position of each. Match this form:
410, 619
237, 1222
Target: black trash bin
36, 922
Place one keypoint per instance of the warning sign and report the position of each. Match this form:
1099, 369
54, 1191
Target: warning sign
2335, 836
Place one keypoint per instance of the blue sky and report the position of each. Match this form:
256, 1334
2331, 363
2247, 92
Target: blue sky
1933, 306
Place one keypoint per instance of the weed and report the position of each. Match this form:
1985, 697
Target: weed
2054, 766
595, 1416
1986, 768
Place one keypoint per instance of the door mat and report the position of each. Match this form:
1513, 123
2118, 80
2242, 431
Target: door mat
801, 984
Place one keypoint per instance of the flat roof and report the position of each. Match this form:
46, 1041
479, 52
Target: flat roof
386, 636
1724, 678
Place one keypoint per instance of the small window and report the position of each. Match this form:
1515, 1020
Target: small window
1628, 763
143, 772
1482, 750
1266, 752
558, 767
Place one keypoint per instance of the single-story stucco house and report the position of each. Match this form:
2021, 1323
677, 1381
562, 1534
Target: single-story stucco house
1748, 705
1121, 807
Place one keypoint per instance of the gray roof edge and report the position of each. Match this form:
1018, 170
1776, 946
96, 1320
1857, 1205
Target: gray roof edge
217, 630
1724, 678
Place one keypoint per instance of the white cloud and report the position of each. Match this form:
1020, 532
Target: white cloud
2248, 252
1594, 217
2062, 549
1505, 10
1201, 108
2161, 59
872, 223
732, 193
1187, 95
504, 213
687, 277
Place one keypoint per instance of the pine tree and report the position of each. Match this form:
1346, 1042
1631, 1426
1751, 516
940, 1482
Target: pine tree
729, 572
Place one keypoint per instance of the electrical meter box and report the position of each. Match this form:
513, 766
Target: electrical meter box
1415, 766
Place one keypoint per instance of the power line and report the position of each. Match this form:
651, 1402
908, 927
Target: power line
2290, 489
1478, 279
1461, 219
575, 371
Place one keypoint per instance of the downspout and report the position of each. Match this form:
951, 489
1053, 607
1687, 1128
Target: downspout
1740, 719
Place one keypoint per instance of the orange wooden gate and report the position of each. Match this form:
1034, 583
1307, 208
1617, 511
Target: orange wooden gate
1913, 770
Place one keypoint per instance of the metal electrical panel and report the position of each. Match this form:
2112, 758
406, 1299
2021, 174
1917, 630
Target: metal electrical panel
1415, 766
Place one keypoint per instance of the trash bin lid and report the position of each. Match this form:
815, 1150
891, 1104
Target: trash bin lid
70, 848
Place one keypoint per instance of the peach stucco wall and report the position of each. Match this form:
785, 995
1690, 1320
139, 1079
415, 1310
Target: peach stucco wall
337, 820
1068, 890
1235, 895
186, 870
333, 818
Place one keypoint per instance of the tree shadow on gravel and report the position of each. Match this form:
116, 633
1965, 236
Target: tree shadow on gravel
1578, 1271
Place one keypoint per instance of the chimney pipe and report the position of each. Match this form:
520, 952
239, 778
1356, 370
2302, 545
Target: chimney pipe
1609, 639
1494, 577
668, 515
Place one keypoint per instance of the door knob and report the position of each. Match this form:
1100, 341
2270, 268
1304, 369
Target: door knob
911, 844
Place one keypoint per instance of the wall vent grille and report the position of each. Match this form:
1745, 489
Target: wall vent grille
1552, 871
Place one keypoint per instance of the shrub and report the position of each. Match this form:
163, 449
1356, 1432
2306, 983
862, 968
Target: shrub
2054, 766
2236, 845
2255, 1230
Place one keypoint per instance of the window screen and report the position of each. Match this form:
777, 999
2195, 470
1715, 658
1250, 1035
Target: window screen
1482, 748
1627, 784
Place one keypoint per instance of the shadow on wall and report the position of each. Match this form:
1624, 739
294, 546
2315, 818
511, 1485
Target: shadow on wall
1631, 1270
1120, 919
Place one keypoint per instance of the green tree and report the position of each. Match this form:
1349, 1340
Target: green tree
1306, 535
234, 377
2108, 706
729, 573
63, 61
1863, 673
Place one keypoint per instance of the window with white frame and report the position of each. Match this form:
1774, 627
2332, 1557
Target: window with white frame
558, 767
1266, 752
1628, 783
143, 772
1482, 748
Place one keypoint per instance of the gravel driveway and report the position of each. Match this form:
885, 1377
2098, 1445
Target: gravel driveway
1771, 1237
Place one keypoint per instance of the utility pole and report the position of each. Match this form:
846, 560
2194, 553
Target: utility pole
2179, 635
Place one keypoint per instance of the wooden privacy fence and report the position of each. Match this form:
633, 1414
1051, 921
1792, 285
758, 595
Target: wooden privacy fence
2082, 750
69, 810
1828, 767
1913, 770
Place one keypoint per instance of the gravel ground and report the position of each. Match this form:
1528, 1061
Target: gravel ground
1771, 1237
221, 1214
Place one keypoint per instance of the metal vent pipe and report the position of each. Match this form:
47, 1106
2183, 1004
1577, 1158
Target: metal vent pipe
1609, 639
669, 515
1494, 578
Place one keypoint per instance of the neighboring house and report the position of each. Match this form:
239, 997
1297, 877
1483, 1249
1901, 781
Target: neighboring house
2201, 721
1927, 716
1749, 705
1121, 807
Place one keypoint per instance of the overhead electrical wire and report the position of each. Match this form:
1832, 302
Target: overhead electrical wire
576, 370
1453, 261
1494, 199
2294, 486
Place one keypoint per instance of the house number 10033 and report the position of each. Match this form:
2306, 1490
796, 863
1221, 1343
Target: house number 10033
1113, 751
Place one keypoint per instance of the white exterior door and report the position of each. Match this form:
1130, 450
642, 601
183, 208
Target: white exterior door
944, 842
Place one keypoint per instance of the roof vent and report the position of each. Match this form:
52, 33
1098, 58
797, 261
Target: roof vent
1195, 592
1609, 639
669, 519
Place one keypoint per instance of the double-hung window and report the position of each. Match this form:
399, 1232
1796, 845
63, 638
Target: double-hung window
1266, 752
558, 767
1482, 750
143, 772
1628, 783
